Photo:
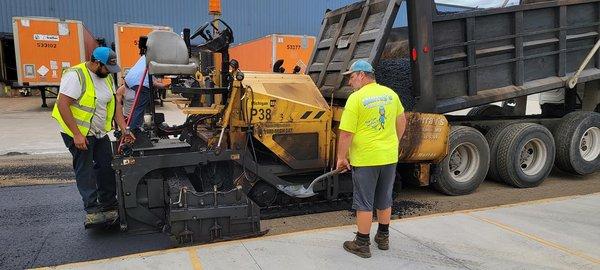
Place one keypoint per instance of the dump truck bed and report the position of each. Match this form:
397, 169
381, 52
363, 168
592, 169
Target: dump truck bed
464, 59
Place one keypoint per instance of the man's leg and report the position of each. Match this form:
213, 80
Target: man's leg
84, 176
383, 203
363, 180
364, 219
105, 175
82, 165
144, 99
384, 216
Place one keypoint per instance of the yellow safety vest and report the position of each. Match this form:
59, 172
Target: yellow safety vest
83, 110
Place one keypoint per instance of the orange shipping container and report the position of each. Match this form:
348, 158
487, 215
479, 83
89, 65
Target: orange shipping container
260, 54
46, 46
126, 43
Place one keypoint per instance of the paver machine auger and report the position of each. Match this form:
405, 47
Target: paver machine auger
252, 144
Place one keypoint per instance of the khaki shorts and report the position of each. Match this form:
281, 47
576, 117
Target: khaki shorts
373, 187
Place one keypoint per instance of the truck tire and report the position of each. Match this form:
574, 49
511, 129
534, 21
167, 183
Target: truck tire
465, 166
577, 138
487, 110
493, 138
525, 155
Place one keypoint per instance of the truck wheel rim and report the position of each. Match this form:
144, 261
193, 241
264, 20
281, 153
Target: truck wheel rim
533, 157
464, 162
589, 145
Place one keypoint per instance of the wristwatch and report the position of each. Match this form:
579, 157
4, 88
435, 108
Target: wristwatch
127, 131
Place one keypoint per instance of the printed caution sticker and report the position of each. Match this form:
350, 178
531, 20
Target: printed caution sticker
43, 70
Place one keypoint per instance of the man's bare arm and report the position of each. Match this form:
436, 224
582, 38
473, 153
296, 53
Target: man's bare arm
342, 152
400, 126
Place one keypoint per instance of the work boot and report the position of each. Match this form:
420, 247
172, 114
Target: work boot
359, 246
383, 240
92, 219
110, 216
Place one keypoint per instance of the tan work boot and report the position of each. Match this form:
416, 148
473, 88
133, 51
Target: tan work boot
383, 240
359, 247
92, 219
111, 215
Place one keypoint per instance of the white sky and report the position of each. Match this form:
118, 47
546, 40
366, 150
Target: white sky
478, 3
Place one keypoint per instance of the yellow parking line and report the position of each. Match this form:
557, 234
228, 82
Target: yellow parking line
538, 239
193, 253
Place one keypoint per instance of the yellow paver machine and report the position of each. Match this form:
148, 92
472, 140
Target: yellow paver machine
257, 145
262, 145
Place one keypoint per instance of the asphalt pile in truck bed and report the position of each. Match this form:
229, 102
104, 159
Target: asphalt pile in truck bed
395, 74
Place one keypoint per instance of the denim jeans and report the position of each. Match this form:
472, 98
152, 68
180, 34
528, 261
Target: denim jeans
144, 99
94, 176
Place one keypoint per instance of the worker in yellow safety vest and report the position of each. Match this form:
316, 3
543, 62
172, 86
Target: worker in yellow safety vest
84, 110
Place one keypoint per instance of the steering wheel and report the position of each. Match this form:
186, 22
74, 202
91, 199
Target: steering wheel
221, 39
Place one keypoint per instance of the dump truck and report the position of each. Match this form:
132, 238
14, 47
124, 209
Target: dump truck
44, 47
267, 146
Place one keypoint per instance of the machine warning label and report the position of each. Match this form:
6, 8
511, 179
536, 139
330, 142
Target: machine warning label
278, 128
41, 37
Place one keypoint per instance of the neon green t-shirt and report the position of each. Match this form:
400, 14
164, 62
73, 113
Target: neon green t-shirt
370, 113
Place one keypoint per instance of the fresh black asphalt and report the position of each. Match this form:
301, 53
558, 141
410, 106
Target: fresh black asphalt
43, 226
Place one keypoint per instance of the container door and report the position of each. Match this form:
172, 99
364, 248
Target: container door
44, 48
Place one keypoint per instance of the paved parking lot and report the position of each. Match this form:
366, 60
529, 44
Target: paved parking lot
29, 128
562, 233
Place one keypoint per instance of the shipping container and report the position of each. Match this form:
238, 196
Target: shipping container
261, 54
126, 43
46, 46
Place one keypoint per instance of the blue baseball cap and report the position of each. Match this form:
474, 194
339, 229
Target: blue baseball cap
107, 57
360, 65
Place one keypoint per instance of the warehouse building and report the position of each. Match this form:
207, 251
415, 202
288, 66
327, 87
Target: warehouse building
244, 16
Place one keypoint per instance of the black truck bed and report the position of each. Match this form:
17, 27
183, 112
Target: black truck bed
463, 59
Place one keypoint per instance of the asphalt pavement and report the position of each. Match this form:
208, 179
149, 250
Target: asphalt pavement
43, 226
559, 233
